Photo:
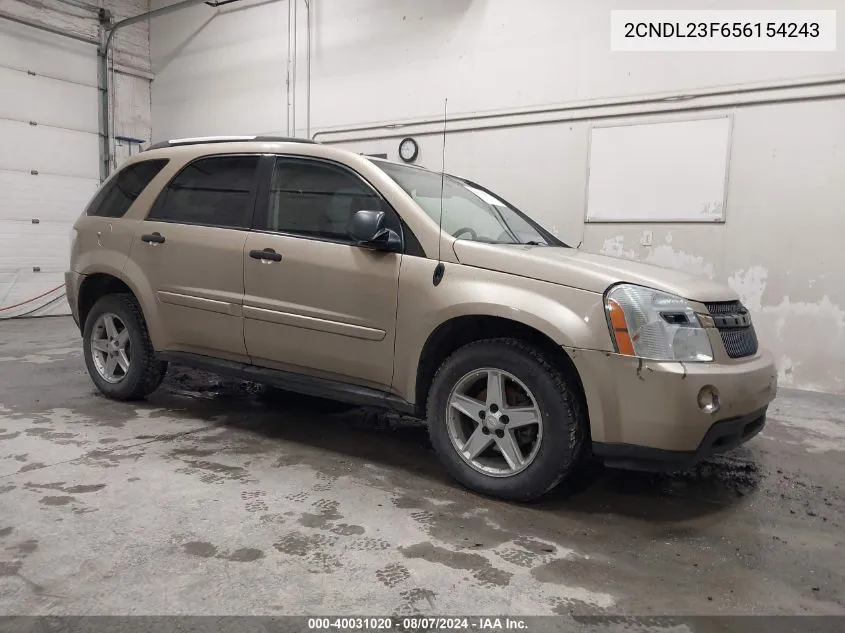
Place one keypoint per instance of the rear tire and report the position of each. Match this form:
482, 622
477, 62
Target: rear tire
534, 389
118, 352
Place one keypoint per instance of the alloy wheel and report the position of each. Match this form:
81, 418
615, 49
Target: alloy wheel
494, 422
110, 348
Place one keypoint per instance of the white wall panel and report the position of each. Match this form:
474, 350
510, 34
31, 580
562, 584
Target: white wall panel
48, 150
45, 53
393, 60
55, 202
52, 81
24, 246
24, 197
131, 45
47, 101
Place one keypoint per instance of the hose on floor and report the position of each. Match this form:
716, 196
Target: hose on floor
49, 303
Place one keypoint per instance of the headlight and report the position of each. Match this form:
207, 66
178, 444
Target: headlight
656, 325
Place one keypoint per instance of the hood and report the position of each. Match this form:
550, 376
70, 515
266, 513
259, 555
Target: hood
587, 271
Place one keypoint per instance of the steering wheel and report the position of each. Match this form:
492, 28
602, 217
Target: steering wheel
465, 229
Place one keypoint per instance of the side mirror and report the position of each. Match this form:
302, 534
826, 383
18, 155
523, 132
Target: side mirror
367, 229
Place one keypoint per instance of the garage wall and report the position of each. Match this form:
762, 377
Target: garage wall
525, 82
49, 160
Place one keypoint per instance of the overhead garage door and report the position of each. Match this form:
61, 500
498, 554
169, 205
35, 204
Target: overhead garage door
49, 162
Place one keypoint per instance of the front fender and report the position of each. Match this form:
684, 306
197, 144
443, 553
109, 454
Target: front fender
570, 317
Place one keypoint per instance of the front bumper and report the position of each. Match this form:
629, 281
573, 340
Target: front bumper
721, 437
648, 411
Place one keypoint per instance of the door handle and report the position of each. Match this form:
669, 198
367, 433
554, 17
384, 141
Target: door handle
153, 238
267, 255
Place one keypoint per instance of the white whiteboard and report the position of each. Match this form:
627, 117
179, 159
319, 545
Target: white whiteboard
659, 172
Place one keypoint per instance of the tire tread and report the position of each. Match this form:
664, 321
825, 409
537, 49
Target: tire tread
569, 402
152, 370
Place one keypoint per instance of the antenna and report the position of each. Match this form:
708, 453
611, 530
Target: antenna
440, 268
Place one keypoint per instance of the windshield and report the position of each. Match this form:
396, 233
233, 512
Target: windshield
470, 212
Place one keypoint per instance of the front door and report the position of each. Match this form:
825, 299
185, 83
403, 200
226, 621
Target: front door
314, 302
189, 252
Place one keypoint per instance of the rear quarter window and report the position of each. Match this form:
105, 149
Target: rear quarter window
211, 191
117, 195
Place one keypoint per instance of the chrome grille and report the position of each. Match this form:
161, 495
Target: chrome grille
724, 307
739, 340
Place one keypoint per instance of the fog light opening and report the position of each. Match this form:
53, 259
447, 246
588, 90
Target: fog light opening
708, 399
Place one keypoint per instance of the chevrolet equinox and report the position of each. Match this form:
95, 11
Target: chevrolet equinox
358, 280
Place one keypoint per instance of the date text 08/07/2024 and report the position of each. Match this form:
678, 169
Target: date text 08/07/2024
416, 623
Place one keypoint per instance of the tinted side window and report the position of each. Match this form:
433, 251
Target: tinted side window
115, 198
213, 191
316, 199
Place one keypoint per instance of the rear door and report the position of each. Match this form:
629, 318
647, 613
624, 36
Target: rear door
189, 253
314, 302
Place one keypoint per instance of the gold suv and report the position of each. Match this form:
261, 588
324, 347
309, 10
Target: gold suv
334, 275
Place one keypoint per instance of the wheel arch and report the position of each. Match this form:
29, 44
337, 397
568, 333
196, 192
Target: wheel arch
99, 283
458, 331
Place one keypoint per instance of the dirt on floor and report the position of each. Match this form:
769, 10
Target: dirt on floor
224, 497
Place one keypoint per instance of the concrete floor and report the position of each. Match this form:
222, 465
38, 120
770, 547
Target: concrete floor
212, 498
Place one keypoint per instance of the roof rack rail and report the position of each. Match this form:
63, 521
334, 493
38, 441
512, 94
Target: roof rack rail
202, 140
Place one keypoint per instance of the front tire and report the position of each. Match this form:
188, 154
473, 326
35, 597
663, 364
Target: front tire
504, 421
118, 352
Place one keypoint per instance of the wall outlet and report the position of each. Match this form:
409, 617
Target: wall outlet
646, 238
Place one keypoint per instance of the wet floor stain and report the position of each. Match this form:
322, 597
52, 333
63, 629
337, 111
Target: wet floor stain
200, 549
203, 549
575, 607
56, 501
10, 568
82, 489
345, 529
25, 548
312, 548
367, 544
108, 458
416, 601
327, 513
32, 466
214, 472
245, 555
55, 436
591, 574
4, 532
193, 452
393, 574
481, 568
458, 524
61, 487
518, 556
254, 500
